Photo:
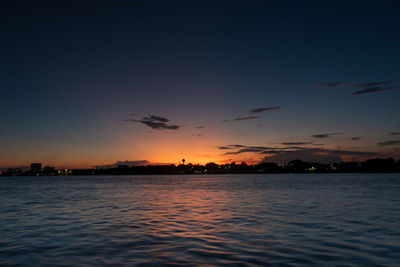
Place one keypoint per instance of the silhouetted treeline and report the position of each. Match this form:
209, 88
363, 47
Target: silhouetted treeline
295, 166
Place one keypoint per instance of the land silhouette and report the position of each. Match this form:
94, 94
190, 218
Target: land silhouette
294, 166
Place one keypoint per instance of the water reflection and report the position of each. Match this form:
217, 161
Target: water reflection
187, 216
201, 220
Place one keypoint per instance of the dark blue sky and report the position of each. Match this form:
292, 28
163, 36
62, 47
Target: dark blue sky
72, 72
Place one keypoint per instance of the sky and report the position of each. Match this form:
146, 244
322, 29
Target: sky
87, 83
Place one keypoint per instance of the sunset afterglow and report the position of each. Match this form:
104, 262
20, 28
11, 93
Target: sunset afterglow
158, 83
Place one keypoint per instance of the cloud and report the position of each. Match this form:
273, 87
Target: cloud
395, 133
237, 145
354, 153
330, 84
324, 135
372, 90
244, 149
296, 143
250, 149
246, 118
159, 125
200, 127
262, 148
258, 110
389, 143
285, 148
230, 147
155, 122
224, 147
355, 138
156, 118
254, 149
319, 154
369, 84
306, 155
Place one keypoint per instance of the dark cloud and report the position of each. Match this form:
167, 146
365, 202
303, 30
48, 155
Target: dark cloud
341, 152
293, 147
330, 84
306, 155
237, 145
200, 127
355, 138
261, 147
246, 118
224, 147
372, 90
258, 110
324, 135
253, 149
354, 153
296, 143
389, 143
244, 150
159, 125
156, 118
230, 147
232, 153
275, 151
318, 153
155, 122
369, 84
395, 133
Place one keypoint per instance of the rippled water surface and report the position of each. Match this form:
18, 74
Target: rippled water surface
254, 220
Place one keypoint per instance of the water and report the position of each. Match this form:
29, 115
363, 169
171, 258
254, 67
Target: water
249, 220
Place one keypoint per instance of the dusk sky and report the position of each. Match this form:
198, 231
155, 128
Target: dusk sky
86, 83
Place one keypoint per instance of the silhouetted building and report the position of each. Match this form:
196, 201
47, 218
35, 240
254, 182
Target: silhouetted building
49, 170
13, 171
36, 167
294, 166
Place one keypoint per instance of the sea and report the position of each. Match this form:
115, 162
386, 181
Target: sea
201, 220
